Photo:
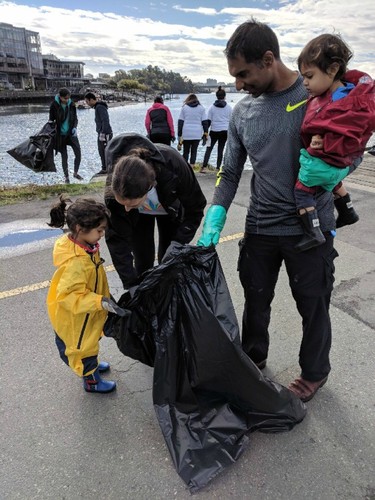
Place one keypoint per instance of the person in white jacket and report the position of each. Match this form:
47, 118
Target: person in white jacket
192, 127
219, 114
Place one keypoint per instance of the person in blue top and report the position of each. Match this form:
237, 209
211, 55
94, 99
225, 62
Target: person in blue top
63, 113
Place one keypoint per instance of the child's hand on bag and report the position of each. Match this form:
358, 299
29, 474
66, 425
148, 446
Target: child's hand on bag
111, 306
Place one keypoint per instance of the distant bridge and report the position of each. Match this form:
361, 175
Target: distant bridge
213, 88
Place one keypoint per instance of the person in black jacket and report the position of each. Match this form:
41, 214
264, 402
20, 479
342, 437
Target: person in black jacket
63, 113
103, 127
148, 183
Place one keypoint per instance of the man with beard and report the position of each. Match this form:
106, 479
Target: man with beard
265, 126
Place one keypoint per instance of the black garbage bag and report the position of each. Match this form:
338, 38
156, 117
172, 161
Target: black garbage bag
207, 393
133, 333
36, 152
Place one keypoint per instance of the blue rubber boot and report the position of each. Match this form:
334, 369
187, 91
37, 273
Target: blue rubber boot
103, 366
93, 383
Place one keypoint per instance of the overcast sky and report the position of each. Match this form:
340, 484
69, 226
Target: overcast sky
186, 37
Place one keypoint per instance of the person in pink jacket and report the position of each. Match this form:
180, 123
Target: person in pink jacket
159, 123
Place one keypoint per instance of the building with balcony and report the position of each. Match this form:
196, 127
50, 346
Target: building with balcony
63, 73
21, 64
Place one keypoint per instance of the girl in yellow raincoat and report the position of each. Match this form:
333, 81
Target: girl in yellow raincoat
78, 300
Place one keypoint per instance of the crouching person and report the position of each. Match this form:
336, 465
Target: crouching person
148, 185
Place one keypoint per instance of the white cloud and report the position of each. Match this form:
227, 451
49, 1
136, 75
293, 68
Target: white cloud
206, 11
106, 41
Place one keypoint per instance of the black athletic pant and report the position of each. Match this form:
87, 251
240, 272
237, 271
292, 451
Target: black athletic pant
221, 139
73, 142
144, 240
311, 276
101, 149
190, 147
161, 138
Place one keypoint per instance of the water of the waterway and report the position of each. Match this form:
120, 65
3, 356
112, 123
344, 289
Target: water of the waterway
18, 122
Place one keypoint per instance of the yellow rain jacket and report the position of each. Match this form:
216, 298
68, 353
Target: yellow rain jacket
74, 302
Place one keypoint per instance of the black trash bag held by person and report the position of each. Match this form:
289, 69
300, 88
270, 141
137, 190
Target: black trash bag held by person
207, 393
36, 152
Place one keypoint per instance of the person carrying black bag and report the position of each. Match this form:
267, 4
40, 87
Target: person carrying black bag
63, 113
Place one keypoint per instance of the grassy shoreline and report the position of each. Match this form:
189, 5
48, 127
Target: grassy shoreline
30, 192
19, 194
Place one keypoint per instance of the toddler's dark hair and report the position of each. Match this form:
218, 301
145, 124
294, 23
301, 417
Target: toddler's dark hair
323, 51
86, 212
133, 174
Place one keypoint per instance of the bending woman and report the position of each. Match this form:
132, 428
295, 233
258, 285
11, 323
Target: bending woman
148, 184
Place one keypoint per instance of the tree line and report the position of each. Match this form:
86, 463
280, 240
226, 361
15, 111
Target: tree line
150, 79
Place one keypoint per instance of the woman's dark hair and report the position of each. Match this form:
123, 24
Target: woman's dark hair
220, 93
323, 51
90, 95
86, 212
159, 99
251, 40
133, 174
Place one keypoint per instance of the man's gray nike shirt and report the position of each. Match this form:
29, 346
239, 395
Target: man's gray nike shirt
263, 129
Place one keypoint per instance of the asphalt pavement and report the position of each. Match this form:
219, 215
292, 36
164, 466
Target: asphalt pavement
59, 442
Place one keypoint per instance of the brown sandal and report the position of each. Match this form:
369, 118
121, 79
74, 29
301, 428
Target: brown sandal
305, 389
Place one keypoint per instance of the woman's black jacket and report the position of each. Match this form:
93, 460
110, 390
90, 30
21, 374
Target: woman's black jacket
178, 191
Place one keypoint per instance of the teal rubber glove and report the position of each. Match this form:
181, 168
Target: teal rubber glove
212, 226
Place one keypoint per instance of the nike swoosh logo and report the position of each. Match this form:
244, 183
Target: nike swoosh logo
292, 107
